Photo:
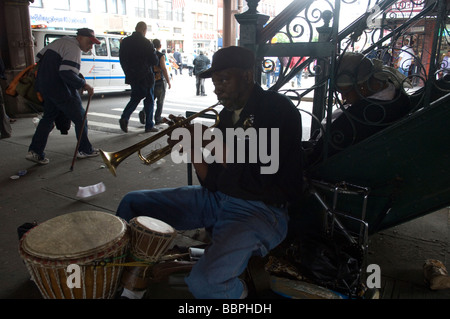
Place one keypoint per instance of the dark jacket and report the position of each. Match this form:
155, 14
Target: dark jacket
137, 58
159, 75
201, 63
59, 69
264, 110
177, 57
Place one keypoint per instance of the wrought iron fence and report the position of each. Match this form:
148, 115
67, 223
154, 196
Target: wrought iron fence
310, 37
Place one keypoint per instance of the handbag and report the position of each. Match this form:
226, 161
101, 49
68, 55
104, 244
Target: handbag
23, 85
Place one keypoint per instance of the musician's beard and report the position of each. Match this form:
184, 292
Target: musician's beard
234, 100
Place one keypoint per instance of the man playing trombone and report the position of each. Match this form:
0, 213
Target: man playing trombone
246, 210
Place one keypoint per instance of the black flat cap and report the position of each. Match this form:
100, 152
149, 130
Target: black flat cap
230, 57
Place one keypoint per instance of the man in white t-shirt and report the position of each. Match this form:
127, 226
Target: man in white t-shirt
405, 58
445, 65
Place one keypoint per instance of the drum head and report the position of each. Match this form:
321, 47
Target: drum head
154, 224
74, 235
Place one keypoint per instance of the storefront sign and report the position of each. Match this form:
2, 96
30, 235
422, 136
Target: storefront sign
57, 19
203, 36
406, 6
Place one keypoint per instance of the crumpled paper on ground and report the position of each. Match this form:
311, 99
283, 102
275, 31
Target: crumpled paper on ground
91, 190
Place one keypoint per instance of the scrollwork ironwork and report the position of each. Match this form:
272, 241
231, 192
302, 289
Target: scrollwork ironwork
384, 39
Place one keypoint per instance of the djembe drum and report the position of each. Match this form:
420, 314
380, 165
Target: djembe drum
150, 238
96, 242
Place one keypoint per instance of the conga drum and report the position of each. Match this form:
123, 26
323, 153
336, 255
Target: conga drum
77, 255
150, 238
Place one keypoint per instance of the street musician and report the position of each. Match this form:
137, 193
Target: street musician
245, 208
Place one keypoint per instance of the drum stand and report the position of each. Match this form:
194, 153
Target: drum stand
345, 234
354, 230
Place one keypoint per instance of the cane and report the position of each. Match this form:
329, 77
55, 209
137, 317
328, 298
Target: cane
81, 133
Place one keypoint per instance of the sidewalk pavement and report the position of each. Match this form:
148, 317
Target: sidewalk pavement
44, 192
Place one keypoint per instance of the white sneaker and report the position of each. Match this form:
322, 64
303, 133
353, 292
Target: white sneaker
34, 157
132, 294
95, 152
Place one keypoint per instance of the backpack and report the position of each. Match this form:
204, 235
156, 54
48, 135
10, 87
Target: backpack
157, 70
158, 73
23, 85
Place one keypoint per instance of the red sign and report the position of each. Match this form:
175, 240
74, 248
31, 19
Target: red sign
203, 36
405, 6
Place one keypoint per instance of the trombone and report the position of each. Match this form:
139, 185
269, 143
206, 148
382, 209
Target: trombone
113, 159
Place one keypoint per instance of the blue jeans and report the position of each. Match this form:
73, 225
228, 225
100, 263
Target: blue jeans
159, 95
404, 71
299, 78
73, 110
240, 229
200, 85
139, 92
268, 79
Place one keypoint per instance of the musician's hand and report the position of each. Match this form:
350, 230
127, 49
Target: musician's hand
172, 119
191, 136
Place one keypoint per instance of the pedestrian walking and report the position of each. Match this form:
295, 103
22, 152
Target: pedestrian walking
137, 57
58, 80
405, 58
201, 63
161, 81
178, 60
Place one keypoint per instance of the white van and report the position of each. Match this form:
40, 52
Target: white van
100, 66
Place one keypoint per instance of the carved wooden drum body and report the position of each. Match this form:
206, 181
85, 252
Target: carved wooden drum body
150, 238
77, 255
